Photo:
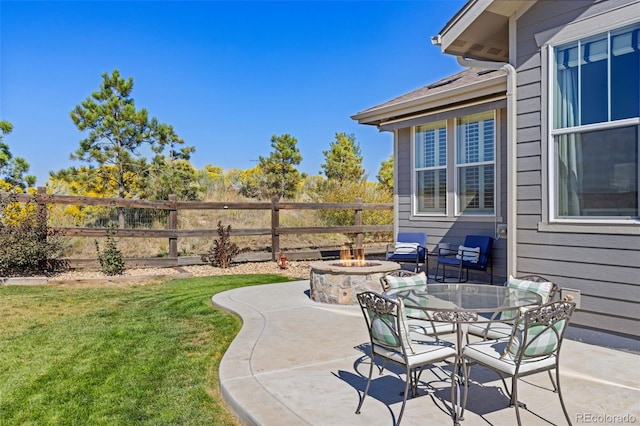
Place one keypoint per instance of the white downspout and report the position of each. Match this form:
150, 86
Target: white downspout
511, 155
396, 197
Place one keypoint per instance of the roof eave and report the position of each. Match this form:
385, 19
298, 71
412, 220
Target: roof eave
379, 116
469, 13
480, 29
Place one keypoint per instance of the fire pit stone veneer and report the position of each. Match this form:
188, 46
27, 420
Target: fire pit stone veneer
334, 282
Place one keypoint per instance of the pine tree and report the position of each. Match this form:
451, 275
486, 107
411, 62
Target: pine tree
117, 131
13, 169
343, 161
385, 175
280, 174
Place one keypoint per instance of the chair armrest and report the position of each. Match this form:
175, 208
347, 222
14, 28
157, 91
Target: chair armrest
443, 252
392, 246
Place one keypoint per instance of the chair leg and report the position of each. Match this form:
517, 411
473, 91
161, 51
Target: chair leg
466, 369
406, 392
382, 367
506, 388
417, 373
514, 397
564, 408
555, 387
460, 274
366, 389
435, 277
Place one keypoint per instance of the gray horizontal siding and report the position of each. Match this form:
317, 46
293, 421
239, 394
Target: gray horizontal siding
529, 177
606, 322
528, 105
614, 257
604, 267
528, 149
601, 241
529, 192
528, 163
528, 134
528, 221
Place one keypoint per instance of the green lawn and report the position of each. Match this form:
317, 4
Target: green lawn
139, 354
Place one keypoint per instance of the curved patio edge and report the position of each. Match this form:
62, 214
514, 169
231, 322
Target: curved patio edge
241, 389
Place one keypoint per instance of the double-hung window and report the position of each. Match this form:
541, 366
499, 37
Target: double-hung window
430, 168
596, 117
475, 163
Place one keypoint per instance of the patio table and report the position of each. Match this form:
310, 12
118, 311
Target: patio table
462, 304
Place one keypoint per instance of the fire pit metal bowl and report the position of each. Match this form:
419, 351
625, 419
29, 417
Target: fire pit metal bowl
338, 282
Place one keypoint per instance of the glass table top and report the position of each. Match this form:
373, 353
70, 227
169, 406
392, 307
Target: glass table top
464, 297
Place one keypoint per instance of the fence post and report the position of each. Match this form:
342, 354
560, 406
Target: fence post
275, 224
173, 224
41, 211
359, 235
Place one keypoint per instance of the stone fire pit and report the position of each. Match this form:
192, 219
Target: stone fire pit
336, 282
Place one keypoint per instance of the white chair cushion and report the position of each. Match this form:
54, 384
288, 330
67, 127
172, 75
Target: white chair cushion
493, 330
469, 254
426, 353
427, 327
406, 248
490, 352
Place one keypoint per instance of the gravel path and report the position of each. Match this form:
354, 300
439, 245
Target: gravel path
295, 270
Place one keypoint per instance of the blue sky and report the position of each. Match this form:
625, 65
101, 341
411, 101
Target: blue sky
226, 75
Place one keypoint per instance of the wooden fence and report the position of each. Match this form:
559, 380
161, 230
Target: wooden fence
173, 207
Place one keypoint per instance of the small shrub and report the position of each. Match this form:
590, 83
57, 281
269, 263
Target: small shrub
111, 260
223, 250
28, 246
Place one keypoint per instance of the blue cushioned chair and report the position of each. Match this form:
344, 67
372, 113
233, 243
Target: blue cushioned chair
395, 253
456, 258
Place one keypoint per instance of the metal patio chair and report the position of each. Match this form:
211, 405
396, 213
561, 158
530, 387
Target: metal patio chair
410, 247
533, 347
418, 320
474, 253
500, 324
391, 340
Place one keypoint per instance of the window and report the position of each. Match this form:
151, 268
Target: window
596, 114
475, 163
430, 165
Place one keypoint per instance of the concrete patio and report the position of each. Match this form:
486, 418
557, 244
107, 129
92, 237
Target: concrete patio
299, 362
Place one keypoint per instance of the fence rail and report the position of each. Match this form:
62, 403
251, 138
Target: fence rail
173, 209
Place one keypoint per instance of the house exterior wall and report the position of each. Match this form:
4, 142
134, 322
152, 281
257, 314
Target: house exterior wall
453, 229
602, 262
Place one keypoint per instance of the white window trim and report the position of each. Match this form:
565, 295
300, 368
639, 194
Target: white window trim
452, 211
602, 225
611, 19
496, 170
414, 183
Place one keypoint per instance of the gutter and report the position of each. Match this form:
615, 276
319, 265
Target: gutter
382, 114
511, 155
